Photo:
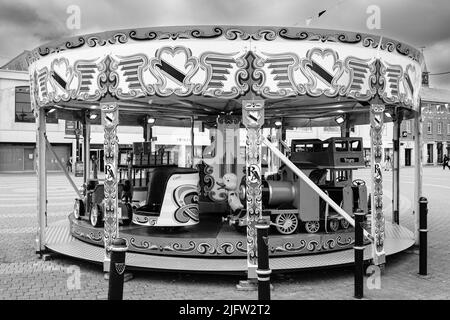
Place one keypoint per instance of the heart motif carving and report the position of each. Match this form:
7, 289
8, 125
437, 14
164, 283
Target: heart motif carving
61, 74
410, 79
174, 68
323, 69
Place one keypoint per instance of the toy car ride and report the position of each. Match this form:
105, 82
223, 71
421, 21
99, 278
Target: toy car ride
90, 206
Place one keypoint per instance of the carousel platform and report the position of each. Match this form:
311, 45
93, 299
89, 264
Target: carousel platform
212, 238
199, 255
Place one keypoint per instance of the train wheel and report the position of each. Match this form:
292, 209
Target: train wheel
77, 209
312, 226
95, 216
345, 224
333, 224
286, 223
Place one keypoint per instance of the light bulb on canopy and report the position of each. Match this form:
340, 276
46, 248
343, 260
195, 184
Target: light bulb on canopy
340, 119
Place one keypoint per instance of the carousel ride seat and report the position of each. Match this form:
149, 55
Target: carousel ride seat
97, 191
156, 188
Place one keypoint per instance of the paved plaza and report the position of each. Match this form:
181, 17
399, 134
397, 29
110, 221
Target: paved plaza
24, 276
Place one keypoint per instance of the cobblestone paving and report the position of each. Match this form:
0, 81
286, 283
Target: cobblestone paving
24, 276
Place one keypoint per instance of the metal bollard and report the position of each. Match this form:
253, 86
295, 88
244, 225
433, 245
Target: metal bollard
423, 211
263, 271
117, 269
359, 254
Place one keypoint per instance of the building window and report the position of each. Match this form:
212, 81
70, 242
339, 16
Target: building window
429, 153
23, 105
439, 128
23, 111
429, 128
408, 126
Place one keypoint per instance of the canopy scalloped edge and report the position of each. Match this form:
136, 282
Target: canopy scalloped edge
226, 63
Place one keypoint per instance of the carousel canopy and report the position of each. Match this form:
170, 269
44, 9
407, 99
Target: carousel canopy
307, 77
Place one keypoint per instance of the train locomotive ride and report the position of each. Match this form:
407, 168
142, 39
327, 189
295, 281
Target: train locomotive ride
294, 206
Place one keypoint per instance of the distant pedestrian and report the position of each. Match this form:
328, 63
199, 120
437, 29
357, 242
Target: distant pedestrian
69, 164
445, 162
387, 163
94, 166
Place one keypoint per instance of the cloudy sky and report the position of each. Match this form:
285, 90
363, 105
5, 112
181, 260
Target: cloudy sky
26, 24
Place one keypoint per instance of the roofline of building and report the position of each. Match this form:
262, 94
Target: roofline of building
25, 52
14, 75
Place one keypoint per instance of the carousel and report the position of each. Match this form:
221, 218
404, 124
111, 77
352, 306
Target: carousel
227, 79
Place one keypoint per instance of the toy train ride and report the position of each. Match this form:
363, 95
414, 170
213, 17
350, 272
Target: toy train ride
289, 200
155, 192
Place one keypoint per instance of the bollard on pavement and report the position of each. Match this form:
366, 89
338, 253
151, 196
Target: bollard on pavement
117, 269
359, 254
263, 271
423, 231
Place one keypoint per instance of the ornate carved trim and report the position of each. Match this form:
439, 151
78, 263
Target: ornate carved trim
110, 121
227, 32
253, 120
378, 220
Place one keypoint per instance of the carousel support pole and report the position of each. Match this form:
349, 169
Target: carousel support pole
345, 129
110, 121
149, 135
279, 138
253, 120
345, 133
145, 131
396, 169
283, 139
192, 142
42, 180
77, 142
378, 220
87, 148
417, 173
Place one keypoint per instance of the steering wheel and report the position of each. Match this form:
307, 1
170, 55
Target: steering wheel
358, 182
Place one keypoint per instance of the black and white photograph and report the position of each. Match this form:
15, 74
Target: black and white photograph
225, 155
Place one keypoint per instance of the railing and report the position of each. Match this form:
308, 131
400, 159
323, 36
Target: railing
312, 185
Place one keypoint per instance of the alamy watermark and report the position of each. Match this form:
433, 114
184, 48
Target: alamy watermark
374, 19
73, 22
373, 281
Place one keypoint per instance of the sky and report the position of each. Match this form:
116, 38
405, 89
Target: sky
26, 24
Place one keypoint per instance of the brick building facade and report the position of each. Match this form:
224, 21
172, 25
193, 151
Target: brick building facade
435, 125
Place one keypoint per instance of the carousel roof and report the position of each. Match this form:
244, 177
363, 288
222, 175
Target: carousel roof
305, 76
